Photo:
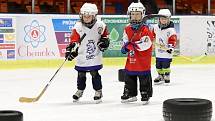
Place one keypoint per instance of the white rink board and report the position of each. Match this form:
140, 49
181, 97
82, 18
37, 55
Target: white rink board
195, 34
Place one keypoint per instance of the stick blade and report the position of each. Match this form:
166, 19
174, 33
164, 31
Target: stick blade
27, 100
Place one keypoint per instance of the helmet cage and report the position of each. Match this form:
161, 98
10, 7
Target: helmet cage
136, 7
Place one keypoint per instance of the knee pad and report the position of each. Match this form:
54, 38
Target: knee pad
81, 74
94, 73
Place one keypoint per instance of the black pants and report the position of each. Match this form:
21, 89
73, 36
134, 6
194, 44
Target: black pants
145, 82
96, 80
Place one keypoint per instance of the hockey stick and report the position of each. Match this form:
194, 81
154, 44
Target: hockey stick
194, 59
189, 59
29, 100
34, 99
162, 47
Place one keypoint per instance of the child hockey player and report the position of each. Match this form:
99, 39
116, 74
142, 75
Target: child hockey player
88, 52
165, 35
137, 42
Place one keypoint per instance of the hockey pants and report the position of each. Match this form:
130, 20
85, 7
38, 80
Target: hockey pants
96, 80
145, 84
163, 67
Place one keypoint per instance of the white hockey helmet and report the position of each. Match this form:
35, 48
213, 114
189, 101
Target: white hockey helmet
89, 8
165, 13
135, 7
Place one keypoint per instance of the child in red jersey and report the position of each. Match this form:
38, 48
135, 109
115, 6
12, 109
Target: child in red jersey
137, 42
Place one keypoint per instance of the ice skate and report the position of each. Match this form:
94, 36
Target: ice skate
167, 80
144, 98
98, 96
77, 95
159, 80
125, 98
129, 99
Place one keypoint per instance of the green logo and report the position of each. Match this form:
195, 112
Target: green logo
114, 35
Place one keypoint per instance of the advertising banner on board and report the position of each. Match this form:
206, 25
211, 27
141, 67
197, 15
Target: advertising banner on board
7, 38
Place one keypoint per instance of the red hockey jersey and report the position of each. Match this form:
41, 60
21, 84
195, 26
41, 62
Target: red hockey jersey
139, 50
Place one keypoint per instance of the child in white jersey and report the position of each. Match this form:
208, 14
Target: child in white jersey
165, 41
88, 52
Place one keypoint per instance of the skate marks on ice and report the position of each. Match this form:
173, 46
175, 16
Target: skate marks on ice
106, 103
163, 84
80, 102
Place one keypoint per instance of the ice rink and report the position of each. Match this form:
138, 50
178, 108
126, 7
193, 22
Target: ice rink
193, 81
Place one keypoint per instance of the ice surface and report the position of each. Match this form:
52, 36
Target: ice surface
196, 81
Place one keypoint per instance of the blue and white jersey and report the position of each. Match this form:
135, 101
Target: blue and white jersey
162, 38
89, 56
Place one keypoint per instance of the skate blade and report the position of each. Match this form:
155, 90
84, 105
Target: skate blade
145, 102
158, 83
167, 84
98, 101
74, 100
133, 99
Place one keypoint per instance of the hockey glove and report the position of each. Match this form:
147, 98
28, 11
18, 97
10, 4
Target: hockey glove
103, 43
72, 51
124, 49
170, 50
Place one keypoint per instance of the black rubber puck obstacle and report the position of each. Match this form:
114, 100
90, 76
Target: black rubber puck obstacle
11, 115
187, 109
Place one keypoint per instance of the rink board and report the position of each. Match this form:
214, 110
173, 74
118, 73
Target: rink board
119, 61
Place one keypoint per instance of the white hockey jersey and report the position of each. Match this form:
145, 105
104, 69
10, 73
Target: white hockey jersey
89, 56
162, 37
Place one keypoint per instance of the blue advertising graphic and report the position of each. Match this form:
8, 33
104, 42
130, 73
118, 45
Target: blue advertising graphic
62, 28
6, 22
63, 24
7, 38
1, 38
10, 54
